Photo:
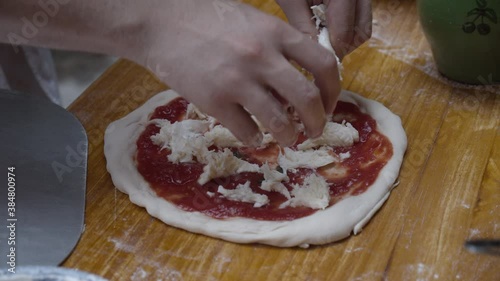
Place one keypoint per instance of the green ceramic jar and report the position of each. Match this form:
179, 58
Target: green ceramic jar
465, 38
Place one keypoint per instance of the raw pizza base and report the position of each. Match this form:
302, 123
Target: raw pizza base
324, 226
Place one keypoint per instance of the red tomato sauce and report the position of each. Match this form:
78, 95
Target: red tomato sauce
177, 183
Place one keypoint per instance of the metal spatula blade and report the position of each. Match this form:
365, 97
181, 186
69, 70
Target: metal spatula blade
47, 148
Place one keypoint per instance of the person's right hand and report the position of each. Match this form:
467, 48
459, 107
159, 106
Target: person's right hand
226, 57
349, 21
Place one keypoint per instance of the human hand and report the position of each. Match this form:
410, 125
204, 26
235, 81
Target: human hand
228, 59
348, 21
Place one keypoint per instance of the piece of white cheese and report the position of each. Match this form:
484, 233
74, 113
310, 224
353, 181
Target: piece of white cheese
272, 181
311, 158
324, 36
223, 164
192, 112
313, 193
184, 139
243, 193
335, 135
319, 15
222, 137
344, 156
266, 140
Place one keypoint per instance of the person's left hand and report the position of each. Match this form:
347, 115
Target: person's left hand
348, 21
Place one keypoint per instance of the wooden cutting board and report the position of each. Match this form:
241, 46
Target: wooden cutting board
449, 191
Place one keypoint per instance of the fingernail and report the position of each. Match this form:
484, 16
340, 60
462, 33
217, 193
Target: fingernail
313, 135
316, 133
291, 141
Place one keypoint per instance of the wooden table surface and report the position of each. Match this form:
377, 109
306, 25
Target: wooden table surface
449, 191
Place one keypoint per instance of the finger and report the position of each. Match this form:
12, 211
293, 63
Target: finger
317, 60
341, 21
238, 121
272, 115
294, 87
299, 15
364, 18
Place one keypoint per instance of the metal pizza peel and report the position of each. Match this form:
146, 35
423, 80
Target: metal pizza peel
44, 148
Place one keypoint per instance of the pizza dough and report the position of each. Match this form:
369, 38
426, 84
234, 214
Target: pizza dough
324, 226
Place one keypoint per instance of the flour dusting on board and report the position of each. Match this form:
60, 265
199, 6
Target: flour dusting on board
372, 275
129, 248
419, 92
139, 274
415, 51
147, 264
420, 272
474, 232
149, 267
222, 263
351, 250
171, 275
120, 245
